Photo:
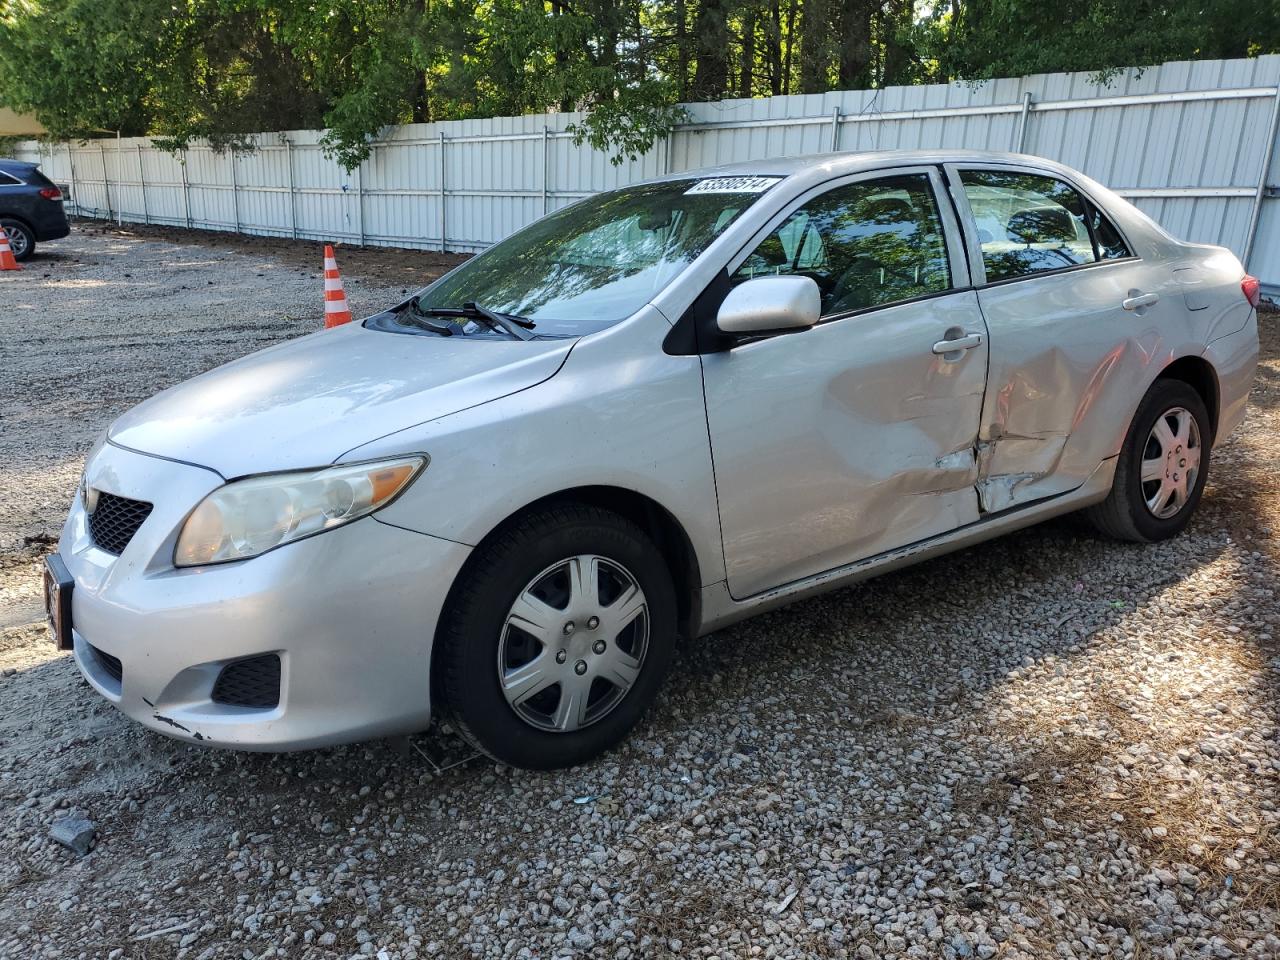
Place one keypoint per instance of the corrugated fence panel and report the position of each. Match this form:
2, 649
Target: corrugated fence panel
1265, 261
265, 203
162, 173
209, 180
1188, 142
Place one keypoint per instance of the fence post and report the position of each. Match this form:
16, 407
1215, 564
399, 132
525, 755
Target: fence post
1269, 145
835, 129
186, 188
119, 170
235, 189
546, 166
293, 206
444, 243
106, 183
1020, 136
142, 185
75, 193
360, 196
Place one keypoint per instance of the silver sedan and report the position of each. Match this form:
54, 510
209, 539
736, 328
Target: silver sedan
647, 415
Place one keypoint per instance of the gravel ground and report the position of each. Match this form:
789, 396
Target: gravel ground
1050, 745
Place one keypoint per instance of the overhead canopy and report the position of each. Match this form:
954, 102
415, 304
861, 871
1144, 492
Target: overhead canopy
14, 124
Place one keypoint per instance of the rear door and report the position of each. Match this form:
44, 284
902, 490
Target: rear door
1074, 318
17, 198
857, 436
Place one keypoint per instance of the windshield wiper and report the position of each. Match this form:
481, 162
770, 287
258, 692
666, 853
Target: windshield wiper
416, 317
518, 327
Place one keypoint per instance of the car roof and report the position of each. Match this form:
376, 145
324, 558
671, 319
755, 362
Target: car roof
9, 164
848, 162
809, 171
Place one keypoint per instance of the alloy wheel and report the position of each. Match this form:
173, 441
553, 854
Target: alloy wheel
17, 242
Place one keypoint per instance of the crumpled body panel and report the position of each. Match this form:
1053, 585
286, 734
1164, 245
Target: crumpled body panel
1068, 368
844, 441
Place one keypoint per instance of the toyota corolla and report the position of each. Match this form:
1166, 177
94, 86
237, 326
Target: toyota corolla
646, 416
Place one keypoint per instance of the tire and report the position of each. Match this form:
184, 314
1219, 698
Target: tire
21, 238
1125, 514
482, 643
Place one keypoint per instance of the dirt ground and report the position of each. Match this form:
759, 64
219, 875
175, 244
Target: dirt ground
1049, 745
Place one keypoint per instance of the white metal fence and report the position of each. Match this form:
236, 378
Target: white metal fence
1192, 143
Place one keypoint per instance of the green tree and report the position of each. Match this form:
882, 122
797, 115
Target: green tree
223, 69
995, 38
82, 67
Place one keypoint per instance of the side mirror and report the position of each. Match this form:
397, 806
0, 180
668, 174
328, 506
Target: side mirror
770, 305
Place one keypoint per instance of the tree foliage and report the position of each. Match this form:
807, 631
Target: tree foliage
991, 38
223, 69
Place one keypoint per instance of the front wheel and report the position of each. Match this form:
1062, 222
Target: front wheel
557, 638
1162, 468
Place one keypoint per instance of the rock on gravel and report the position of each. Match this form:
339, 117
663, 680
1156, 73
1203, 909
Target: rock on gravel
74, 833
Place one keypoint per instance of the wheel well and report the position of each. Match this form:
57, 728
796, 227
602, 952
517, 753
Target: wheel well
1198, 374
654, 519
22, 220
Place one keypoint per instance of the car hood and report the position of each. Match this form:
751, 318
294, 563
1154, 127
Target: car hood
306, 402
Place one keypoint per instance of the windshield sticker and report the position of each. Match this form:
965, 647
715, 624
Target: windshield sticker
733, 185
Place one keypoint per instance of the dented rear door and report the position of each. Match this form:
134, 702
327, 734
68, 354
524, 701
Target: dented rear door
1068, 366
1071, 344
857, 436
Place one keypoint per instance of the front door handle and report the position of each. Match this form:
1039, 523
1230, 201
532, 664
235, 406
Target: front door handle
967, 342
1139, 300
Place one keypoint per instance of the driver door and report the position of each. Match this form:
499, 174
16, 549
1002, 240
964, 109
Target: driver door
857, 436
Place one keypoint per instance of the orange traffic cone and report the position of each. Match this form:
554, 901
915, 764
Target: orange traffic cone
336, 311
7, 262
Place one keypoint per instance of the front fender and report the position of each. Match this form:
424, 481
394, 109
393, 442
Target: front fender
619, 413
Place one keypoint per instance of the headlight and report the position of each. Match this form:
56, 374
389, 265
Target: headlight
88, 494
251, 516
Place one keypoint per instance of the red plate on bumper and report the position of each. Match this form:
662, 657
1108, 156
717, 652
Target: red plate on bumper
58, 585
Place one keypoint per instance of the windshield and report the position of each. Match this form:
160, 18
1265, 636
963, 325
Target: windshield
597, 261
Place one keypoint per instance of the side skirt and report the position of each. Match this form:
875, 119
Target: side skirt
719, 609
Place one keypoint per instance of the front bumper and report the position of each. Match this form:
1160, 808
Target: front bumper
350, 613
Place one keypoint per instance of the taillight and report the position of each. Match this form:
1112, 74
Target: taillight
1251, 287
51, 193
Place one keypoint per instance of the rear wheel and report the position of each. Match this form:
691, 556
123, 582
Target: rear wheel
1162, 468
21, 239
558, 638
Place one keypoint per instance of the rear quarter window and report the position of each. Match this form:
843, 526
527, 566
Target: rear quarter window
1110, 244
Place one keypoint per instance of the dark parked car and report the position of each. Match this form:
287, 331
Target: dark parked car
30, 207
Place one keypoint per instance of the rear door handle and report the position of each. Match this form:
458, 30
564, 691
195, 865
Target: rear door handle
967, 342
1140, 300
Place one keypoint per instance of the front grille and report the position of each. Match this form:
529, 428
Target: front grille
110, 665
115, 520
249, 683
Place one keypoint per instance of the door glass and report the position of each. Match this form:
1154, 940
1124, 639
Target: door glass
866, 244
1026, 223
